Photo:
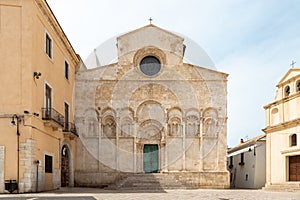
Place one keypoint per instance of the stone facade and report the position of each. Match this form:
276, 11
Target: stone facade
178, 108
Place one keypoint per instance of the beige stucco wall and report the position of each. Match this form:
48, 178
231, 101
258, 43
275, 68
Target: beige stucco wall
22, 52
2, 157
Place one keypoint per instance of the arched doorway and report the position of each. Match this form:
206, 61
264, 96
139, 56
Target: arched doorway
65, 166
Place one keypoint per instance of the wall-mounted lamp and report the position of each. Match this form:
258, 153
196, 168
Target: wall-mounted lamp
37, 75
13, 122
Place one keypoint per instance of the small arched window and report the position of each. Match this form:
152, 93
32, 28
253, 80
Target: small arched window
294, 140
287, 91
298, 86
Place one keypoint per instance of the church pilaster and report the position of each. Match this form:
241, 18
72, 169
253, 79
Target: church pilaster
134, 148
118, 130
183, 144
99, 142
201, 144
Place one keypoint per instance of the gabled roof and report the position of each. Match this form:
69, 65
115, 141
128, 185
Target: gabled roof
290, 74
107, 52
246, 143
151, 26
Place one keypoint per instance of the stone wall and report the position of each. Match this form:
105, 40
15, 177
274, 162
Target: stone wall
2, 151
215, 180
97, 179
28, 182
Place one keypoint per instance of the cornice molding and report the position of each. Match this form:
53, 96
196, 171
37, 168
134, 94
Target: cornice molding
282, 126
283, 100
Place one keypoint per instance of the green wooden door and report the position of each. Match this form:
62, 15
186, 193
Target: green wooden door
150, 158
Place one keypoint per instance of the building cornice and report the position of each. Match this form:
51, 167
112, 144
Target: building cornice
285, 99
290, 150
47, 12
281, 126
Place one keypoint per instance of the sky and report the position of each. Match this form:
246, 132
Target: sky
252, 41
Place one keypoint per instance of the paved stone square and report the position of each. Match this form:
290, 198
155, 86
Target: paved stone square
207, 194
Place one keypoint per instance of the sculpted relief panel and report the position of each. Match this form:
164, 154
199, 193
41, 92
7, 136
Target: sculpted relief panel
127, 127
109, 126
155, 92
210, 123
174, 126
192, 123
150, 130
91, 123
150, 110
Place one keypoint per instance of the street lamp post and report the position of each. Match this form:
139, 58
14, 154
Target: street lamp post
18, 118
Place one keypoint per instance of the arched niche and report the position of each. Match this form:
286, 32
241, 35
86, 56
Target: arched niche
150, 130
109, 126
150, 110
210, 122
192, 122
127, 127
91, 123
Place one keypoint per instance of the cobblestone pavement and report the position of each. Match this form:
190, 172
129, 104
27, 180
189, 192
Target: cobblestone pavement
99, 194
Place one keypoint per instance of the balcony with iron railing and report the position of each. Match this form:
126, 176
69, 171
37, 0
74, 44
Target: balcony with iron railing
53, 118
69, 128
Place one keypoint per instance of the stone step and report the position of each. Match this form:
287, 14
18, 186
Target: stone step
283, 187
149, 182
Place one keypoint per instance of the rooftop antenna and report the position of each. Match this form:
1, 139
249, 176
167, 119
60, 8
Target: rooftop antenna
293, 63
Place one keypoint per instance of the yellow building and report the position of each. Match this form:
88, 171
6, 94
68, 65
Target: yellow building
283, 132
38, 66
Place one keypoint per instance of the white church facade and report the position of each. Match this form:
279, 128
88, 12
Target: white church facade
151, 110
283, 132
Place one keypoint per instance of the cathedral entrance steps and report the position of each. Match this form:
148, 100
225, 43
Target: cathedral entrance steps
154, 181
290, 187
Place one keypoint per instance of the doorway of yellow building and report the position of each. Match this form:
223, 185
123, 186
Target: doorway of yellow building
65, 166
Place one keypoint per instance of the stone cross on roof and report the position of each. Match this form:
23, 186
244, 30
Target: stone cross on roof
150, 20
293, 63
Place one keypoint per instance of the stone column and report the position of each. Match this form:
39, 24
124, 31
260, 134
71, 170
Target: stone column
184, 127
201, 145
99, 142
118, 130
133, 125
139, 157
